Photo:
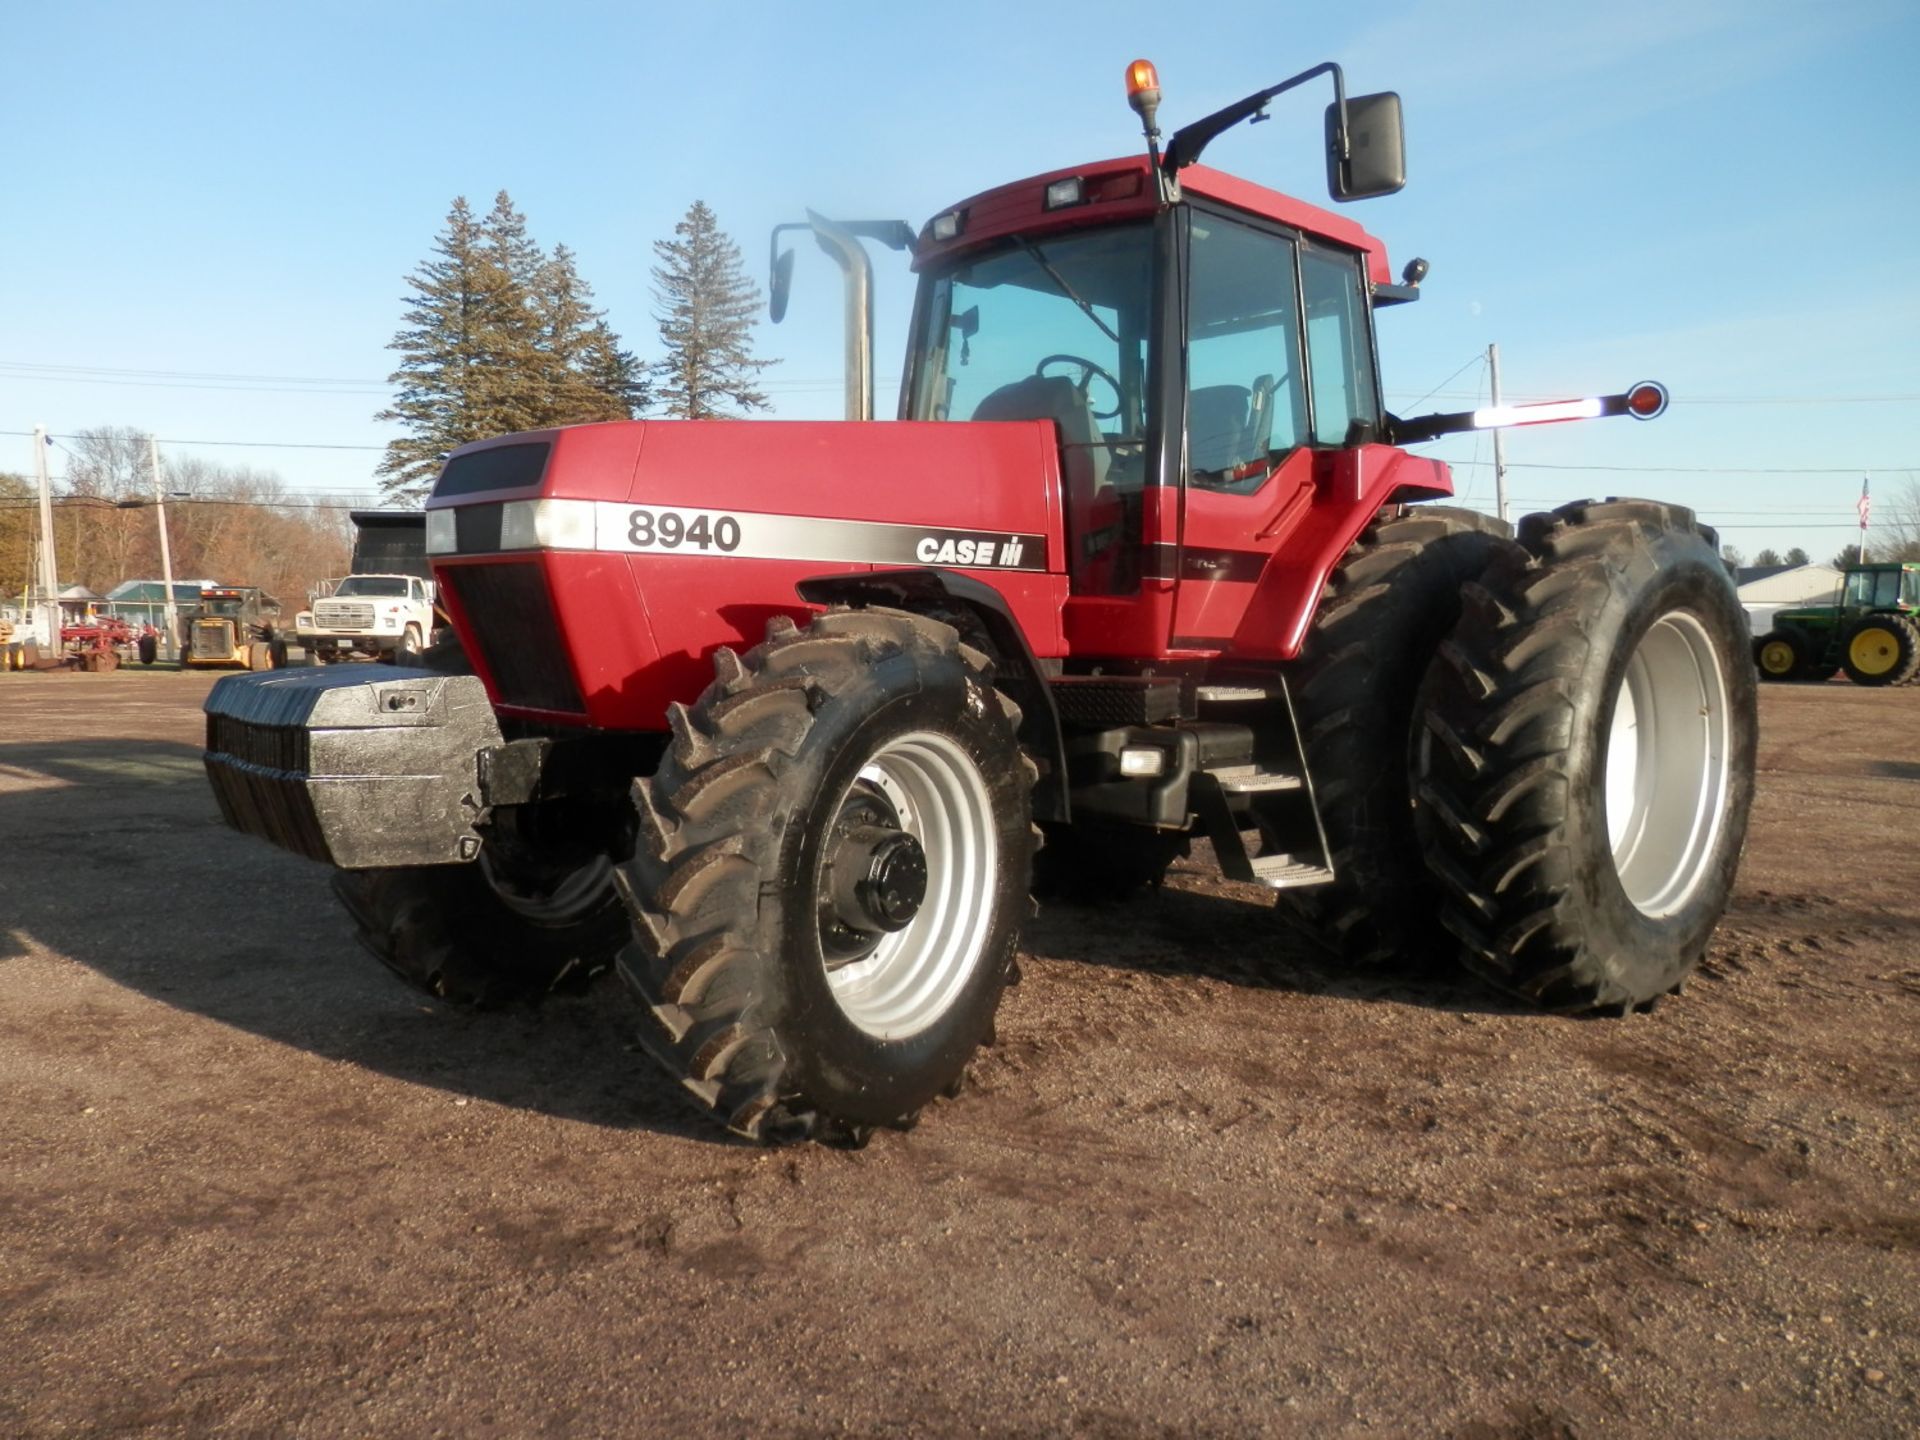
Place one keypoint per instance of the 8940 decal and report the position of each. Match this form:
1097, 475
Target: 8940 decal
669, 530
758, 535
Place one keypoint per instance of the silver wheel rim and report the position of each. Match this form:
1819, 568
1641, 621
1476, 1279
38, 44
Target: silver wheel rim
1667, 768
913, 975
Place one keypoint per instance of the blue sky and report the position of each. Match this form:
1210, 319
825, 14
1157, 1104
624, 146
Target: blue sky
1720, 196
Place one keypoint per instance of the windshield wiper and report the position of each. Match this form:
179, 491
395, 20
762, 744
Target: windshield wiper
1068, 290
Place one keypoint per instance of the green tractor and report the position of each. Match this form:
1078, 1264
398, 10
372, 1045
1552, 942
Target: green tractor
1872, 632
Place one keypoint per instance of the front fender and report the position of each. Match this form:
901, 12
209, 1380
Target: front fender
981, 614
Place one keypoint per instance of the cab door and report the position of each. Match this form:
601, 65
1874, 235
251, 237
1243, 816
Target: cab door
1280, 363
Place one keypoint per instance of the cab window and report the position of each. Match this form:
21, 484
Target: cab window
1874, 589
1246, 404
1339, 346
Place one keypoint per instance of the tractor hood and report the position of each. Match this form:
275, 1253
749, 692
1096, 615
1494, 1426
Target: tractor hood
592, 571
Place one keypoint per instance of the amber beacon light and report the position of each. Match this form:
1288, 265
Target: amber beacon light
1143, 89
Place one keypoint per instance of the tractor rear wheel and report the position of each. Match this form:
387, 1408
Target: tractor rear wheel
480, 936
832, 871
1587, 765
1881, 650
1384, 612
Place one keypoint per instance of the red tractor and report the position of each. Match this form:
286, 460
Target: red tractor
773, 717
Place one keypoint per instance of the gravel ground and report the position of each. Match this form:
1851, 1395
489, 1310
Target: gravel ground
249, 1185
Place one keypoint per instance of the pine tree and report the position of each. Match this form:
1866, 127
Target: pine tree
458, 339
499, 337
587, 375
1796, 556
706, 312
527, 365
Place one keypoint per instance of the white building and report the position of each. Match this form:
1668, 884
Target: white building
1767, 589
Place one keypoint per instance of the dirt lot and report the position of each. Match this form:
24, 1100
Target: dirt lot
249, 1185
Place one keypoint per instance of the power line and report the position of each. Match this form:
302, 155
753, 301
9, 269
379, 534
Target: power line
238, 444
32, 365
1855, 471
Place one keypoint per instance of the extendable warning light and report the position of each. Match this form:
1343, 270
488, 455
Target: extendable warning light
1496, 417
1143, 88
1646, 400
1643, 401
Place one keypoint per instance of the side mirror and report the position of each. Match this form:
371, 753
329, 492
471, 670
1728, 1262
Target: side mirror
779, 283
1376, 162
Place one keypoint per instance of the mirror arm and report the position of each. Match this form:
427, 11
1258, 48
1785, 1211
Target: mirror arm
1189, 140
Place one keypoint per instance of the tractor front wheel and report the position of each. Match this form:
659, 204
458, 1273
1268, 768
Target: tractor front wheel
1783, 655
1881, 650
832, 872
1587, 766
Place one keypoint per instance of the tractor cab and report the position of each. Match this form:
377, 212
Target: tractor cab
1894, 586
1183, 350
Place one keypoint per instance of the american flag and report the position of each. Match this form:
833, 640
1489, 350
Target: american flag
1865, 507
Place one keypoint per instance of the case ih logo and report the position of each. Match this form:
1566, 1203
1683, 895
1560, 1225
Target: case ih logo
988, 551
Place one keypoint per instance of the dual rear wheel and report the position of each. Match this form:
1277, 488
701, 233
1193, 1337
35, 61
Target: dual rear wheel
1540, 750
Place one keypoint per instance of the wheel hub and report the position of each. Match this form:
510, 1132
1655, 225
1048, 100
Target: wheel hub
879, 879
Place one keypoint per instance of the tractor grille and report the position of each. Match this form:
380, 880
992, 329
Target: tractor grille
510, 616
212, 640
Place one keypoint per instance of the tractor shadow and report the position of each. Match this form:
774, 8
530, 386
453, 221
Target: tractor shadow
116, 858
1200, 926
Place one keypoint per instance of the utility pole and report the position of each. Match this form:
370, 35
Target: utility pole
171, 648
1865, 508
1499, 437
48, 605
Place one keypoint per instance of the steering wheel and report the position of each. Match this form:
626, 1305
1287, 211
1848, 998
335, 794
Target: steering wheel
1087, 371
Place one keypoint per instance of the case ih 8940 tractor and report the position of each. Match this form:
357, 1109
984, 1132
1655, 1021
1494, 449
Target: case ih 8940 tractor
772, 717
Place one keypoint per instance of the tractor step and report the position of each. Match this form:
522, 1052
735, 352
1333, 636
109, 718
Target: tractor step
1236, 694
1266, 794
1285, 872
1251, 780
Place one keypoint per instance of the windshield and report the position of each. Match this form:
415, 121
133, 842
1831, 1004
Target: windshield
220, 607
1052, 328
373, 585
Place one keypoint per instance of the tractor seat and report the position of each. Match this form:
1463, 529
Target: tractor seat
1056, 398
1218, 419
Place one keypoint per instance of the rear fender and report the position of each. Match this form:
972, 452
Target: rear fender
1352, 486
984, 620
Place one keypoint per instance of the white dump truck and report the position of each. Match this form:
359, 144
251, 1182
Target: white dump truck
382, 617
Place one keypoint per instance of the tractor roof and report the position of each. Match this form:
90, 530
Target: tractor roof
1123, 189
